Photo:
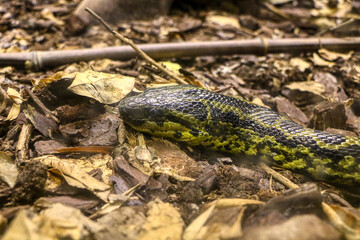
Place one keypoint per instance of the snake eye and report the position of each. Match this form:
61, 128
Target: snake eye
137, 110
131, 110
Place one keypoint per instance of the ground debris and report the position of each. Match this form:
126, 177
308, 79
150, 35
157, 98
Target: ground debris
71, 169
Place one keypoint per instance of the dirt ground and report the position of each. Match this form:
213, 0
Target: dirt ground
71, 169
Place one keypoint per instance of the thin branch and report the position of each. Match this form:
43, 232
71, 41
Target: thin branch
278, 176
43, 108
22, 147
136, 48
343, 24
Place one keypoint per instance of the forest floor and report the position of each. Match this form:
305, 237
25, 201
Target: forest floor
70, 168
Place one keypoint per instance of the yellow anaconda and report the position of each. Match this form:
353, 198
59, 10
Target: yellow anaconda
200, 117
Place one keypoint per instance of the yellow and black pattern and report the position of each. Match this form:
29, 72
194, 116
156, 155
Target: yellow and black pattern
200, 117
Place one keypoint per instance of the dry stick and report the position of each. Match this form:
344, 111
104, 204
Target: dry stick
44, 109
22, 146
138, 50
338, 222
343, 24
275, 10
278, 176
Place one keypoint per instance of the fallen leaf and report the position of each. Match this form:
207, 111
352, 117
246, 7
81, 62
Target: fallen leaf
163, 222
76, 176
169, 153
23, 228
308, 226
198, 229
279, 2
14, 112
224, 20
344, 219
3, 99
311, 86
232, 202
14, 95
57, 222
173, 67
7, 70
318, 61
300, 63
43, 82
97, 131
17, 99
8, 169
43, 124
284, 106
304, 93
47, 14
104, 87
333, 56
194, 228
116, 201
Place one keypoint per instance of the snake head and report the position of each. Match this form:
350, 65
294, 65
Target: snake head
163, 104
138, 109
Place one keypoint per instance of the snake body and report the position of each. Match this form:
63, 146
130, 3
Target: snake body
200, 117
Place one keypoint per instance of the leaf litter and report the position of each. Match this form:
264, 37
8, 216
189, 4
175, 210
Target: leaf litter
71, 169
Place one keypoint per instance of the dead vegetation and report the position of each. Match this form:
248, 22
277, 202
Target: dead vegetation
70, 168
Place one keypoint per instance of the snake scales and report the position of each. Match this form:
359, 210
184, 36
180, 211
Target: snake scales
200, 117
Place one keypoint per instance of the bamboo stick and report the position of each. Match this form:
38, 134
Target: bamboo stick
42, 59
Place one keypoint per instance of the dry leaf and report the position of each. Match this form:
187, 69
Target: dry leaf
76, 176
17, 99
8, 169
282, 65
14, 112
259, 102
47, 14
23, 228
333, 56
173, 67
14, 95
116, 201
103, 87
7, 70
198, 229
57, 222
163, 222
43, 82
279, 2
311, 86
318, 61
224, 20
300, 63
169, 153
195, 227
231, 202
60, 221
343, 220
3, 99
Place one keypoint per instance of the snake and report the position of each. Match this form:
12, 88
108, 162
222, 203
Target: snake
200, 117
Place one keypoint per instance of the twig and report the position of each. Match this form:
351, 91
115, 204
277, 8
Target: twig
43, 108
136, 48
22, 146
278, 176
343, 24
275, 10
337, 222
